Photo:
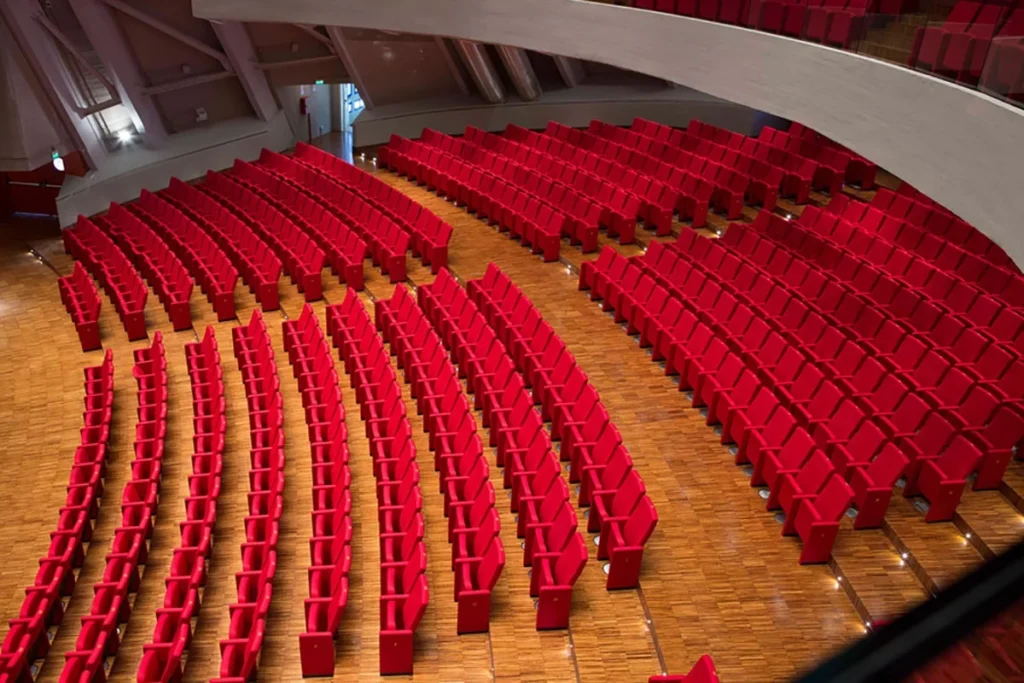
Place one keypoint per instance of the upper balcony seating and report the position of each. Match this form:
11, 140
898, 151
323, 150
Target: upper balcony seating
259, 267
577, 416
108, 264
154, 259
404, 594
553, 547
1003, 66
102, 626
42, 610
342, 247
702, 672
387, 240
240, 651
956, 48
838, 22
428, 234
478, 555
207, 262
300, 257
162, 656
330, 545
82, 301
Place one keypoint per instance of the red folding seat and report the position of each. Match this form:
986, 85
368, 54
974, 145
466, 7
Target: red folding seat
776, 462
804, 484
839, 428
872, 484
997, 441
819, 19
739, 421
816, 520
702, 672
930, 42
942, 478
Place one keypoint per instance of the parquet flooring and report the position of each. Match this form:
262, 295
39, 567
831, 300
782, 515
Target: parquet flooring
717, 575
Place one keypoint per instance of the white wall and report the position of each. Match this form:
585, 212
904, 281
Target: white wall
319, 106
957, 145
575, 107
186, 155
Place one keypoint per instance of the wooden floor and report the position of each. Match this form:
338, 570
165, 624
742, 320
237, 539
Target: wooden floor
718, 578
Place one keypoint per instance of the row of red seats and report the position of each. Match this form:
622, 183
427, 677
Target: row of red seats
975, 377
209, 264
702, 672
240, 651
330, 546
762, 179
960, 47
82, 302
162, 656
258, 265
428, 235
590, 172
536, 222
154, 259
609, 196
541, 217
300, 257
929, 397
705, 326
552, 546
478, 556
620, 194
938, 221
404, 595
831, 163
111, 268
620, 509
386, 239
343, 247
102, 628
30, 633
948, 310
859, 171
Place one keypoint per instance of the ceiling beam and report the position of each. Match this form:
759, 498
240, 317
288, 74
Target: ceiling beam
189, 82
341, 49
237, 45
316, 35
301, 61
571, 70
44, 59
453, 66
110, 44
170, 31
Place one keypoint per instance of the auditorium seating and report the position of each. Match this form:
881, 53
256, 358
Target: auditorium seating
859, 171
206, 261
429, 235
111, 268
162, 656
404, 594
82, 301
164, 271
103, 625
342, 247
386, 239
478, 555
953, 49
300, 257
330, 545
240, 651
256, 262
552, 547
1002, 72
702, 672
42, 610
620, 509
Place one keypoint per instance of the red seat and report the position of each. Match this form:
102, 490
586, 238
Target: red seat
816, 520
943, 478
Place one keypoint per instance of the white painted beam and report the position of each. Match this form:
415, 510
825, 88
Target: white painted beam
340, 49
43, 58
110, 44
242, 56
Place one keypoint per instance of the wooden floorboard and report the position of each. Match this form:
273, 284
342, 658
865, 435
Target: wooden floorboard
717, 578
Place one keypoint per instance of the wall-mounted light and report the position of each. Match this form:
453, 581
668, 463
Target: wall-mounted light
58, 163
125, 136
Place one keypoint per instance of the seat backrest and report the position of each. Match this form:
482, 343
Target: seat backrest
415, 604
959, 458
814, 472
571, 562
834, 499
641, 523
888, 466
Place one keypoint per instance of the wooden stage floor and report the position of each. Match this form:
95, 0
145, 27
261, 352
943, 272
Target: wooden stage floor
717, 578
